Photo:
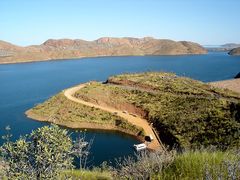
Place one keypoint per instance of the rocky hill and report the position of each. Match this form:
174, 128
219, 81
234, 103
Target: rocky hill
68, 49
235, 52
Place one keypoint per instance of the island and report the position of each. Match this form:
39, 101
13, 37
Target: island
183, 112
54, 49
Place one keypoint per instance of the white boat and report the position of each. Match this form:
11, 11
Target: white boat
140, 147
151, 137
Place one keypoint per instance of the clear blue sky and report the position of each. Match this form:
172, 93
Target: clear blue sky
211, 22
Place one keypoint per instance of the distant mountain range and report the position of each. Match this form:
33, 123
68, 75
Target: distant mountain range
69, 49
224, 47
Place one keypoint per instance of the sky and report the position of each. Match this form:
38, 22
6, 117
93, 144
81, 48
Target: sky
208, 22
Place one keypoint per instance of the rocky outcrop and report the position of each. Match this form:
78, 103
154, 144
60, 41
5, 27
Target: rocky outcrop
68, 49
237, 76
235, 52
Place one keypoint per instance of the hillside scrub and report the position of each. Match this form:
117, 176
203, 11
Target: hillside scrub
187, 113
58, 109
170, 82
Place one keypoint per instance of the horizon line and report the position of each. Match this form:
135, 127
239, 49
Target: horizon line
118, 37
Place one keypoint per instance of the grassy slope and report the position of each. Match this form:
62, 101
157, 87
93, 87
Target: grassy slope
200, 164
187, 112
85, 175
62, 111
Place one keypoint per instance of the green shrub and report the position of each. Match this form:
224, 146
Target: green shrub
40, 155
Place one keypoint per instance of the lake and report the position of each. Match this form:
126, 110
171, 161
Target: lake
25, 85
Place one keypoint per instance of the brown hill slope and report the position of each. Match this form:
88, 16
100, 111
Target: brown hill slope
235, 52
68, 49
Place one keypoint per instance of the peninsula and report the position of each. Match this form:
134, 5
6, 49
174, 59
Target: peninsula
183, 112
69, 49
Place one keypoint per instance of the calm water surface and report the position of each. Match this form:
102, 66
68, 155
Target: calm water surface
24, 85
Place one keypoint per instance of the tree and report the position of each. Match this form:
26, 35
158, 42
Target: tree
40, 155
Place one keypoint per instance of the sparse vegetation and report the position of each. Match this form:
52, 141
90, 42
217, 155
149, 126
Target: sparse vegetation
187, 113
171, 83
85, 175
62, 111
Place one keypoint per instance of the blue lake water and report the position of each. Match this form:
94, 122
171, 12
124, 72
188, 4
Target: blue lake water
24, 85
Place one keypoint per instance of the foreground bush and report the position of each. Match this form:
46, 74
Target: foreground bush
2, 166
47, 153
204, 164
85, 175
200, 164
40, 155
145, 166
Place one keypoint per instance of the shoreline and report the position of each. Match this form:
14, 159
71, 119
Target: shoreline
230, 84
84, 125
86, 57
225, 84
137, 121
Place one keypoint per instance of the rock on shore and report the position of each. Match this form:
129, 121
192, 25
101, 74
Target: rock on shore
235, 52
237, 76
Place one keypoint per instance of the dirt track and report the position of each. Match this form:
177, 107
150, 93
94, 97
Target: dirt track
155, 145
